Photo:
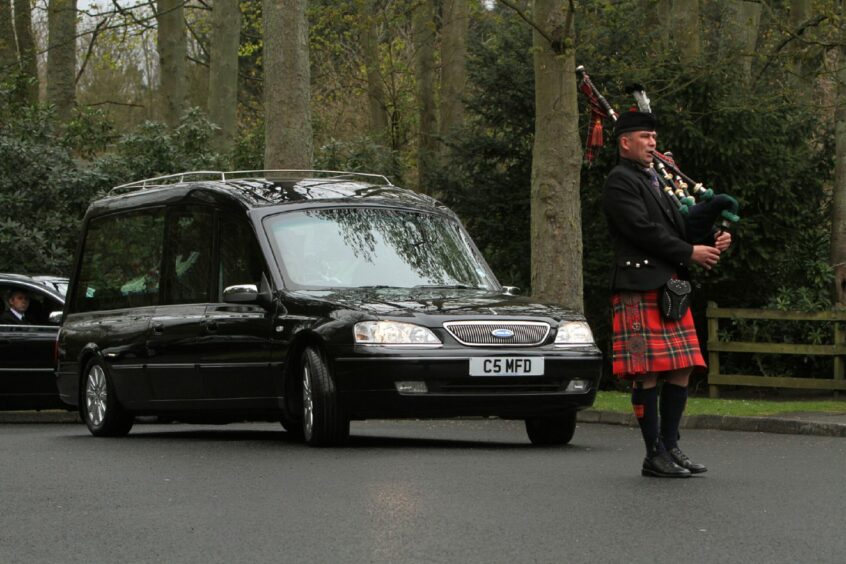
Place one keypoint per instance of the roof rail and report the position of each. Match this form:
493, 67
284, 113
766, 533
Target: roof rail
239, 174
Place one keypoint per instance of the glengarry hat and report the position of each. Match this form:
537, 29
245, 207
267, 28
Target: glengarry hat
634, 121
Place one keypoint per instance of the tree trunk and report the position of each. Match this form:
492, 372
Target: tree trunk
556, 163
287, 86
800, 11
223, 72
172, 43
685, 25
26, 48
662, 16
375, 88
740, 34
8, 48
456, 17
838, 196
61, 57
423, 32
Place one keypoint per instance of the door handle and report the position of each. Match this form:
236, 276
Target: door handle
158, 328
211, 325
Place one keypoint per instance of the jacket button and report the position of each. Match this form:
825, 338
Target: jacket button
628, 263
637, 265
645, 261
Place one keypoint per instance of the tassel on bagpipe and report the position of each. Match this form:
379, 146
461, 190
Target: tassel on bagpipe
700, 206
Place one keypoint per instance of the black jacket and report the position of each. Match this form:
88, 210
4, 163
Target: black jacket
647, 231
9, 318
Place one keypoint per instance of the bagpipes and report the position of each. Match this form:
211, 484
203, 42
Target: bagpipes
700, 206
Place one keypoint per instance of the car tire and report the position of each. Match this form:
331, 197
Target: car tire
291, 426
99, 407
324, 423
547, 431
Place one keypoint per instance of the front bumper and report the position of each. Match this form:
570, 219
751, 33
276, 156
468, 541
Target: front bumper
366, 378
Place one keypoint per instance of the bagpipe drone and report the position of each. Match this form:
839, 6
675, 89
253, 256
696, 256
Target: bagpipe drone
700, 206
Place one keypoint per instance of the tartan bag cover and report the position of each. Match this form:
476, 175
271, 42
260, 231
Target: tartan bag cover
644, 341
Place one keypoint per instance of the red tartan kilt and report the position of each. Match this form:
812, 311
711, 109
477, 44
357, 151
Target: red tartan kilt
645, 342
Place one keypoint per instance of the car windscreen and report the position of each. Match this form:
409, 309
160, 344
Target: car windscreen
354, 247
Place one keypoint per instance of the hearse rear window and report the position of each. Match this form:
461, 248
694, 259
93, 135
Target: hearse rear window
121, 260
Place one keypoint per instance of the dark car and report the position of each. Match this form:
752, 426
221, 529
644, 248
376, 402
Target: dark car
27, 377
311, 299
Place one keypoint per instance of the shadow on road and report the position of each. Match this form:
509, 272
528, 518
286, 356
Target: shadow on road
277, 438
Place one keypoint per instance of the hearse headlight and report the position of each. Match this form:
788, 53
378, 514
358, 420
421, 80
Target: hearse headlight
574, 333
393, 333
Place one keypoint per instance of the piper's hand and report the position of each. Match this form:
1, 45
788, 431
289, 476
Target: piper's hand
723, 241
705, 256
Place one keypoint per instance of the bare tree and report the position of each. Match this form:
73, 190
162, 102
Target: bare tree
288, 137
61, 57
376, 104
172, 43
739, 37
456, 18
223, 71
26, 48
8, 48
685, 25
423, 31
556, 159
800, 12
838, 196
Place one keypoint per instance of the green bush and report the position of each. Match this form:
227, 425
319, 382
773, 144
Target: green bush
49, 175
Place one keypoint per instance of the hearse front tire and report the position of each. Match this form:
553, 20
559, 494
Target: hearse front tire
324, 423
549, 431
291, 426
99, 408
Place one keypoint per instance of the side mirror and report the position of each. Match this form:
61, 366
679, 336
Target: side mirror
249, 293
241, 294
55, 317
511, 290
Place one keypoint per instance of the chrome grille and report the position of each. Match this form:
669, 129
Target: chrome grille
480, 333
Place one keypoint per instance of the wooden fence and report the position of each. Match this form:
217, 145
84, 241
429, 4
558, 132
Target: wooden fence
715, 347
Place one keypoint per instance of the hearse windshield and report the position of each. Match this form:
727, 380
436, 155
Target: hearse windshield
375, 247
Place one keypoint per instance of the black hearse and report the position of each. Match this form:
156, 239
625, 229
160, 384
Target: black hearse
310, 298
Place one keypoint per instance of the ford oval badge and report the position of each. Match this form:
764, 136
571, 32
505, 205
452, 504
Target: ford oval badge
502, 333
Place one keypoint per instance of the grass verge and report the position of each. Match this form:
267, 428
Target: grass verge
621, 402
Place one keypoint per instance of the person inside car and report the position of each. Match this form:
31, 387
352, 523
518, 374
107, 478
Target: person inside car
18, 302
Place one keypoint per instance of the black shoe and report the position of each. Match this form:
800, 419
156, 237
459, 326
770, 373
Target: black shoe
682, 460
662, 466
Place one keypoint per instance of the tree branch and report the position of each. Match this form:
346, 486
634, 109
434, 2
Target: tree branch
791, 35
528, 20
88, 51
113, 103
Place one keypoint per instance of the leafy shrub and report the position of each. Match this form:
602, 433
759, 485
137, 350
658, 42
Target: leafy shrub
49, 175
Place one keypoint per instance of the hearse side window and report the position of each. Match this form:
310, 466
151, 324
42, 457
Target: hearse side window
240, 256
188, 257
121, 262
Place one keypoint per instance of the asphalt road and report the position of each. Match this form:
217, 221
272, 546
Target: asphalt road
410, 491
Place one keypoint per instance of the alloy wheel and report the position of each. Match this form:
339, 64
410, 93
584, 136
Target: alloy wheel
308, 403
96, 395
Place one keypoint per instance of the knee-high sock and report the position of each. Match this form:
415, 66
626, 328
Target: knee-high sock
673, 401
645, 405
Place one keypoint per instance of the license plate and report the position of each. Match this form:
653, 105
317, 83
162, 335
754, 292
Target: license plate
506, 366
